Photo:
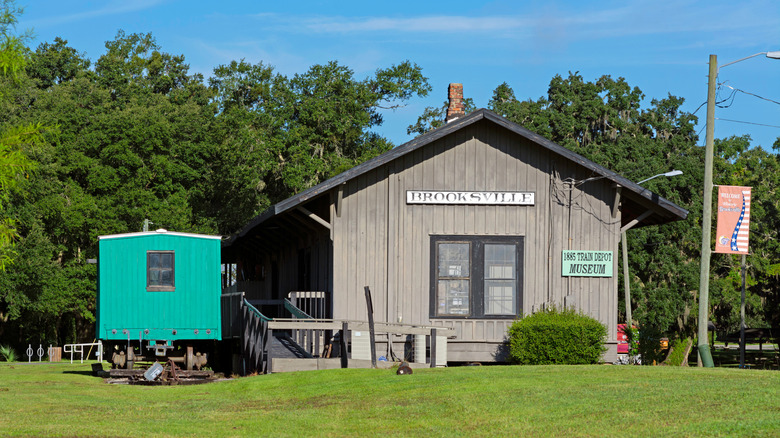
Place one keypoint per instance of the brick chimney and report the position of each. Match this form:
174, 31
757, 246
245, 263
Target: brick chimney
455, 109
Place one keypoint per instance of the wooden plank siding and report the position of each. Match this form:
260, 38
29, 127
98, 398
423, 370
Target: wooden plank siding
381, 242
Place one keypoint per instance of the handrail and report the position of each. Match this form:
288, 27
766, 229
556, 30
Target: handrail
232, 294
254, 310
380, 327
296, 312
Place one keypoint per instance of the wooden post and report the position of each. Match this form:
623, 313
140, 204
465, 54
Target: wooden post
705, 357
343, 342
371, 335
433, 348
626, 281
244, 336
742, 320
269, 342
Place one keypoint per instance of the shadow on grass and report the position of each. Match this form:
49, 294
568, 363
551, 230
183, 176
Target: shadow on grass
80, 373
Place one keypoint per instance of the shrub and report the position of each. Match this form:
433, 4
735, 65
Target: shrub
555, 336
7, 353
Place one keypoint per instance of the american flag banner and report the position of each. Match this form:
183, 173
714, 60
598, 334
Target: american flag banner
733, 220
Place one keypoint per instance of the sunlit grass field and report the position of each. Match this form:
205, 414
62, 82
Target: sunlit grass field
600, 400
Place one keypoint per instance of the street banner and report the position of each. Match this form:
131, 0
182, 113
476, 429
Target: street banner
733, 220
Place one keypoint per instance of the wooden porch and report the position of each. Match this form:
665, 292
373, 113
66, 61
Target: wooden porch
302, 342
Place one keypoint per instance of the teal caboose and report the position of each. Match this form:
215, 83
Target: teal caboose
159, 296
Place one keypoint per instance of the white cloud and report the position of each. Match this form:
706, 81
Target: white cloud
635, 18
113, 7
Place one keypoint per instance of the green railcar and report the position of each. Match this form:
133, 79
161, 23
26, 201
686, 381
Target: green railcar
158, 292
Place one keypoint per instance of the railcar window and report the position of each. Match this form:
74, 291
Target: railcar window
160, 275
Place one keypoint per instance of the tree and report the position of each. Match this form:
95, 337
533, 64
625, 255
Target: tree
283, 135
13, 51
13, 161
134, 142
433, 118
56, 63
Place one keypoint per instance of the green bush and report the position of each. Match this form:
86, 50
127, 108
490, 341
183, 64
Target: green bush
555, 336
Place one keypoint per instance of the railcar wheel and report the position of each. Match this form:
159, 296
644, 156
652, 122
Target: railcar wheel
130, 358
189, 358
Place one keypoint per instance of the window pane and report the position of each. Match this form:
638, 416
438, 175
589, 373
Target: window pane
454, 260
154, 260
500, 285
166, 277
500, 261
500, 297
166, 260
154, 277
453, 297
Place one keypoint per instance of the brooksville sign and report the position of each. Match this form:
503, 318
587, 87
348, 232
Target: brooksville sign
469, 198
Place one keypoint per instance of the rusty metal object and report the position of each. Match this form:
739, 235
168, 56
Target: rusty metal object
171, 369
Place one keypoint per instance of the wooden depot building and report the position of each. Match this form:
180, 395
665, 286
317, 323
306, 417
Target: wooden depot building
469, 226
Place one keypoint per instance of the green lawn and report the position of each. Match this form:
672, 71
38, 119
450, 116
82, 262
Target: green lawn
601, 400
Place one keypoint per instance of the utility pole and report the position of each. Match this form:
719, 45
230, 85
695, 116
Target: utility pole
705, 358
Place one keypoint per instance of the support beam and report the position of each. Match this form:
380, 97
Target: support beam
339, 197
626, 280
616, 204
631, 224
314, 217
298, 218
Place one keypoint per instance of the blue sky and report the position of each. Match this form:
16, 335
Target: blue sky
661, 47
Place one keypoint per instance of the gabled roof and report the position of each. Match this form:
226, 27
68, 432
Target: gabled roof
637, 201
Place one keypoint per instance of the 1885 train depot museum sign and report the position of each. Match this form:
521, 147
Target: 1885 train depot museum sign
587, 263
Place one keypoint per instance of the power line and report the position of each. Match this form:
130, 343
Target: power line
747, 123
697, 109
750, 94
730, 98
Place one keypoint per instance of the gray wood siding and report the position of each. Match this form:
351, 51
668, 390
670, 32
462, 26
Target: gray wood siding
381, 242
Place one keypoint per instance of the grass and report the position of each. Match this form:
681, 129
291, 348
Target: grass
63, 399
